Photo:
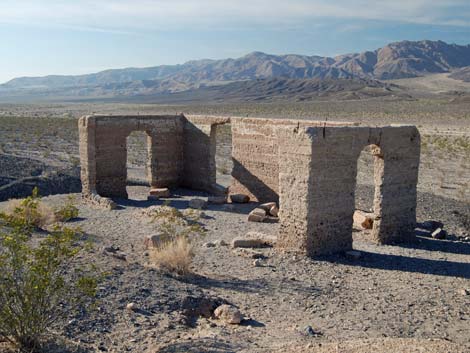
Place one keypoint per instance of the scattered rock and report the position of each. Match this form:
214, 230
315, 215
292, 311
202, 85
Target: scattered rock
249, 253
239, 198
309, 331
197, 204
247, 243
268, 240
353, 254
464, 291
267, 206
229, 314
160, 192
257, 215
132, 307
363, 220
209, 245
217, 200
220, 242
274, 211
439, 233
102, 202
257, 263
431, 225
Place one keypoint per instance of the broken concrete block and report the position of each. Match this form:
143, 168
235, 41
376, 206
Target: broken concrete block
239, 198
431, 225
160, 192
439, 233
363, 220
247, 243
265, 239
274, 211
217, 200
257, 215
198, 204
267, 206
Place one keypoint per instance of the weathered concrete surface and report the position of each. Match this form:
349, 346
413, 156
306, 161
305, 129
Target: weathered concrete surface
103, 151
255, 150
310, 167
317, 179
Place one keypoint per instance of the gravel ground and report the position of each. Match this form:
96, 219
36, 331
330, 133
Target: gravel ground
393, 298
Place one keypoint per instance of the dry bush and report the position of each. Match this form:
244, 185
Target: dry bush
30, 210
174, 256
174, 252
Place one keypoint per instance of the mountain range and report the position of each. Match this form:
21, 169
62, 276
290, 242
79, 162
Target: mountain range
405, 59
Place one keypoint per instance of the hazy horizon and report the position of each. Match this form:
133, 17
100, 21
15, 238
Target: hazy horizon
54, 37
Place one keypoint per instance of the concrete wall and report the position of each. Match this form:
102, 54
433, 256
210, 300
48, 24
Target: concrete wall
103, 151
255, 155
317, 179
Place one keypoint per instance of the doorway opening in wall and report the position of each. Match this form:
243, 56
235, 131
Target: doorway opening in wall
223, 155
364, 215
137, 164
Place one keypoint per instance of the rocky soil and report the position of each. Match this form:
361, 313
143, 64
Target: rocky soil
411, 297
408, 297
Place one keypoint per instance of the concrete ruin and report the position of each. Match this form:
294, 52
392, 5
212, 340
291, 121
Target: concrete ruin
309, 167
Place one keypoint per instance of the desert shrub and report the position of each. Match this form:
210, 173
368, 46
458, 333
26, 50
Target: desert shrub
174, 255
31, 212
68, 211
177, 229
39, 282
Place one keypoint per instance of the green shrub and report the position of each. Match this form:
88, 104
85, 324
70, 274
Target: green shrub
68, 211
39, 282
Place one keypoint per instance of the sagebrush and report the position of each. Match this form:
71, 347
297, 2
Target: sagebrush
40, 283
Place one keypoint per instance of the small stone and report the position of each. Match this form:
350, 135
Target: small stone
197, 204
247, 243
353, 254
439, 233
209, 245
220, 242
217, 200
160, 192
274, 211
132, 307
464, 291
120, 256
239, 198
431, 225
257, 263
309, 331
229, 314
363, 220
257, 215
268, 240
267, 206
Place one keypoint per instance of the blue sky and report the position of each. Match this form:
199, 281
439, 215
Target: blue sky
40, 37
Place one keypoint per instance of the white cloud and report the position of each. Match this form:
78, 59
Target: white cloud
129, 15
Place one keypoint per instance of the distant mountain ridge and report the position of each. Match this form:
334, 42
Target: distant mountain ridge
404, 59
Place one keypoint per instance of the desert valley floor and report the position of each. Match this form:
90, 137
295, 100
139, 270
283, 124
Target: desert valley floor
412, 297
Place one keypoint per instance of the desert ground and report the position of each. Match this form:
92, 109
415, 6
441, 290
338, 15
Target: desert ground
412, 297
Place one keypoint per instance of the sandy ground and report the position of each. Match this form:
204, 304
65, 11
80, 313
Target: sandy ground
406, 298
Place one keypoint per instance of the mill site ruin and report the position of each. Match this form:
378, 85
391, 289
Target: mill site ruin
307, 168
